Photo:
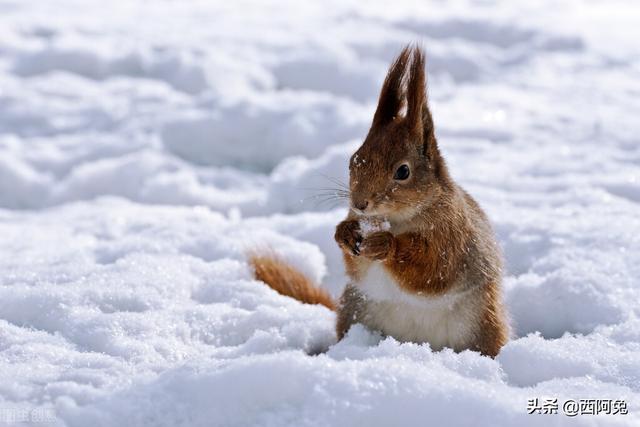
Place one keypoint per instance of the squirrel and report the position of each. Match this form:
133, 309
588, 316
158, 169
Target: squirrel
423, 262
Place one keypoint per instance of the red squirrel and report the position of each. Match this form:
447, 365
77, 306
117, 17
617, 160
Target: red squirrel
422, 259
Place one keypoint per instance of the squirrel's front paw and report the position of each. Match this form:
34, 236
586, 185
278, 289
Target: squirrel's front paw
348, 237
378, 246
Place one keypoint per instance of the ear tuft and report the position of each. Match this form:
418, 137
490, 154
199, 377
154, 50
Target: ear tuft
416, 90
392, 94
405, 83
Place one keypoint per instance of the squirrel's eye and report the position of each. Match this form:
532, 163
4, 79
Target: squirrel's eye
402, 173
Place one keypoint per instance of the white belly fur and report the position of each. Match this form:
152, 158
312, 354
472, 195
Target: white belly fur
446, 321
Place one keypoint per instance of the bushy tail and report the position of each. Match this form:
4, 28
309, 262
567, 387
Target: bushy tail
286, 280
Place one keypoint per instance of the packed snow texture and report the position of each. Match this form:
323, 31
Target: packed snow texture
147, 146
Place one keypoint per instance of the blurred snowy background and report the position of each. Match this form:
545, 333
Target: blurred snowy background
144, 146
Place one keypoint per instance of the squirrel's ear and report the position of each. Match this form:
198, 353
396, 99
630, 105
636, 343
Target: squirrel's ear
416, 90
392, 94
418, 113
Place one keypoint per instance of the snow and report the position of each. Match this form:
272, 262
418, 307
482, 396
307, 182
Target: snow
369, 225
147, 147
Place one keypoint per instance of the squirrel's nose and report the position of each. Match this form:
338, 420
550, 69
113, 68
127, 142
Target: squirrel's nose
361, 205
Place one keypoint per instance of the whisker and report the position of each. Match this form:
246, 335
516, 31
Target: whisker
332, 193
332, 200
334, 180
324, 198
339, 193
341, 190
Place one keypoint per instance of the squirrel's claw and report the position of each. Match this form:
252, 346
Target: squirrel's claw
348, 237
378, 246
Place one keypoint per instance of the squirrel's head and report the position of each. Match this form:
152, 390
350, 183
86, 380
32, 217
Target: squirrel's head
398, 169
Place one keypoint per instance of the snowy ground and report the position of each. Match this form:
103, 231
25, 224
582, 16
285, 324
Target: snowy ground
145, 146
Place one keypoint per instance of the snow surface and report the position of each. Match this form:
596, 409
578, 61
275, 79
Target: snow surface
146, 146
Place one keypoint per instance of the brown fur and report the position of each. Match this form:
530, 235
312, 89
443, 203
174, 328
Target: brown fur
288, 281
440, 242
350, 310
494, 333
